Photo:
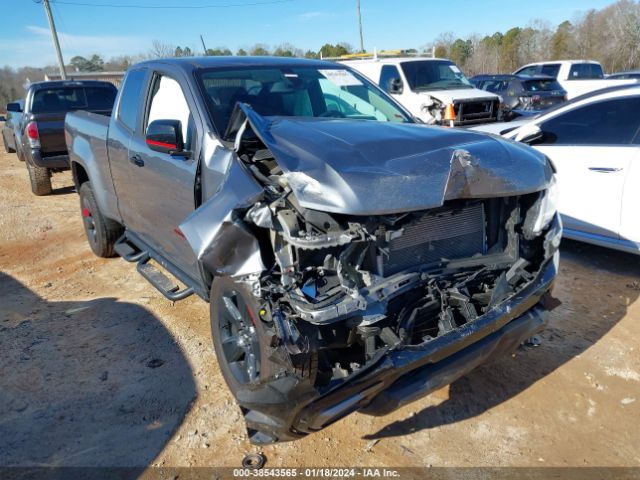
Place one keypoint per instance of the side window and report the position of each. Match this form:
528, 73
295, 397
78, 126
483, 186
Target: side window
169, 103
551, 70
609, 122
388, 73
585, 71
129, 98
527, 71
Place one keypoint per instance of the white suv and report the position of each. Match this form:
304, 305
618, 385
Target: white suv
426, 86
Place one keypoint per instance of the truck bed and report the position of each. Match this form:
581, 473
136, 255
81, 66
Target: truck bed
86, 136
91, 126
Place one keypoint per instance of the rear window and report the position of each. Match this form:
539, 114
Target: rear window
585, 71
67, 99
541, 85
495, 86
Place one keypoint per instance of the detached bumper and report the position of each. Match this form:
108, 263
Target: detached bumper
287, 409
59, 162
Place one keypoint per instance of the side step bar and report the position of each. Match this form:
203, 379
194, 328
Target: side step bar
128, 252
165, 286
169, 288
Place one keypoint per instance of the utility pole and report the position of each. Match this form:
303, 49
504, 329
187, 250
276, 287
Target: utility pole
204, 47
360, 24
54, 35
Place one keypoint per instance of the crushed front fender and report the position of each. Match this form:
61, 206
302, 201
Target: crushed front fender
219, 237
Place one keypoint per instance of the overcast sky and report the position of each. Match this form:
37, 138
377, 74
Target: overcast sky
109, 30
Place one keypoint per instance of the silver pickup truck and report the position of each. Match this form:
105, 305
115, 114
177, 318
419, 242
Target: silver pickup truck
352, 259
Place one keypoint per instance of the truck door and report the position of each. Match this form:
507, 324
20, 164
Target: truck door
124, 122
160, 192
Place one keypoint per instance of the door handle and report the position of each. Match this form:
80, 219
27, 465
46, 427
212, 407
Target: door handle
604, 169
136, 160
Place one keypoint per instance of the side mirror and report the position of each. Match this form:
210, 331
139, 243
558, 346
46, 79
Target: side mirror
529, 134
14, 107
395, 86
165, 136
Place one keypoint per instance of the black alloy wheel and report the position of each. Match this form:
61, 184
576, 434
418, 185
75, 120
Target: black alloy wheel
238, 337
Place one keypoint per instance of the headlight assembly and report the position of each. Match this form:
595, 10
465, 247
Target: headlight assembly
541, 212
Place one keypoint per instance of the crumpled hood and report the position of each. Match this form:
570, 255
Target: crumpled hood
363, 167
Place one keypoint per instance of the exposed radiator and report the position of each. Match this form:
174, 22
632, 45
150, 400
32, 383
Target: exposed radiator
449, 234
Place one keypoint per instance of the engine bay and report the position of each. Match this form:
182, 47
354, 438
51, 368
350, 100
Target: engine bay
344, 288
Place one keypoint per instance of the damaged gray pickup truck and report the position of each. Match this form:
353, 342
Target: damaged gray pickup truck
352, 259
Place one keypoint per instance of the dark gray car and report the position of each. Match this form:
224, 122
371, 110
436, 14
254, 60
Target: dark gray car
520, 93
352, 258
40, 133
11, 125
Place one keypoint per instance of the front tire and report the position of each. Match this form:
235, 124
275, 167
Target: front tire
243, 341
239, 335
40, 178
102, 233
253, 362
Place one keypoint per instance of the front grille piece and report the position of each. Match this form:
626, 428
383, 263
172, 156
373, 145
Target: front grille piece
468, 112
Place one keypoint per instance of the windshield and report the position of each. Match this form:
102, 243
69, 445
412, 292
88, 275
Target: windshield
434, 75
541, 85
296, 92
67, 99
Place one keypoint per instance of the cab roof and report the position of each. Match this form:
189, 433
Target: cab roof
394, 60
197, 63
69, 83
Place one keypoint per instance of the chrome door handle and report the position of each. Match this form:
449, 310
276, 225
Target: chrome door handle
604, 169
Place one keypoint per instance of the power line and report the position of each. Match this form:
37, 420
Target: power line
174, 7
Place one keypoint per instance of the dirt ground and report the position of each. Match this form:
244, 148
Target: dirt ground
97, 368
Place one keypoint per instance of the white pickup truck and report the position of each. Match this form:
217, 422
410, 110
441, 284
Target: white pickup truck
577, 77
426, 86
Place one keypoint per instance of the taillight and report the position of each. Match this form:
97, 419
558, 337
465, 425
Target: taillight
34, 136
